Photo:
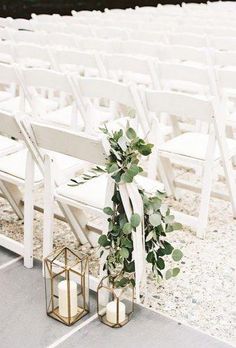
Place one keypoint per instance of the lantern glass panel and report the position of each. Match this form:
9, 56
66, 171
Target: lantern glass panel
66, 285
115, 305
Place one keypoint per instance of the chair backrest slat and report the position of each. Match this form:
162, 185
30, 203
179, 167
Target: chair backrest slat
78, 145
9, 126
102, 88
43, 78
179, 104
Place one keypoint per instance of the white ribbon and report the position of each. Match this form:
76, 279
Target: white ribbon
133, 203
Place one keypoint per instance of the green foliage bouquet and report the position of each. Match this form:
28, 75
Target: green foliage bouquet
123, 164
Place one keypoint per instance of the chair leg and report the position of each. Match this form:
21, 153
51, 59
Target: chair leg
205, 200
230, 182
13, 196
48, 217
29, 213
167, 176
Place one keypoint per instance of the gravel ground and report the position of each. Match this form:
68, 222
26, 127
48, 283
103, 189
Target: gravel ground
204, 293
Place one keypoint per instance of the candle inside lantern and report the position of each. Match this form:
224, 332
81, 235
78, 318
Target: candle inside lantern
63, 298
111, 312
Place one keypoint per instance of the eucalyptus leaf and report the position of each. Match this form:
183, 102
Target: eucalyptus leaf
177, 226
108, 211
169, 274
114, 167
124, 252
160, 263
122, 142
164, 209
149, 236
175, 271
177, 255
127, 177
168, 248
127, 228
131, 134
155, 219
103, 241
169, 219
135, 220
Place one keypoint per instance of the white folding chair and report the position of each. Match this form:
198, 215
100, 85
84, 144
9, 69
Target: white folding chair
141, 48
11, 177
110, 33
109, 102
46, 18
148, 36
30, 37
226, 80
6, 52
186, 54
61, 40
51, 97
9, 86
98, 45
223, 59
14, 176
4, 34
187, 39
32, 56
206, 150
186, 78
5, 22
222, 43
49, 27
88, 198
82, 30
128, 69
84, 63
22, 24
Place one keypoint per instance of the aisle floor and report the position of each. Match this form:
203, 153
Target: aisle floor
24, 323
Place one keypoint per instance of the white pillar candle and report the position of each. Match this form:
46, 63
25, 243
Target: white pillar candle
63, 298
111, 312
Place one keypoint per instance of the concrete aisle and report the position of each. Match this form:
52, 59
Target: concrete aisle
24, 323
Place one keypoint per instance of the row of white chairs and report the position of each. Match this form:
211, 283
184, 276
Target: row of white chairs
209, 151
203, 78
112, 34
164, 52
67, 24
61, 110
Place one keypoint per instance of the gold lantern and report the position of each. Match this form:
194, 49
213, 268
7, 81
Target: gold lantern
115, 306
66, 285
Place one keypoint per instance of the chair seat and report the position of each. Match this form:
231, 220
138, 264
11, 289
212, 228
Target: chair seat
13, 105
92, 192
34, 63
5, 58
121, 123
96, 116
15, 164
4, 95
185, 87
193, 145
141, 79
63, 117
8, 145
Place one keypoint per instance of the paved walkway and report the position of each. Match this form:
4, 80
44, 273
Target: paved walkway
24, 323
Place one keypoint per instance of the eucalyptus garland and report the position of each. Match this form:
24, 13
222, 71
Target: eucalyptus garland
126, 149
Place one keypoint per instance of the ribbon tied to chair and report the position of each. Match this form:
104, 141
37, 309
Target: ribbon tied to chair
132, 203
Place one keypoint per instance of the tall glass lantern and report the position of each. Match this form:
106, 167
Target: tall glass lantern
66, 285
115, 306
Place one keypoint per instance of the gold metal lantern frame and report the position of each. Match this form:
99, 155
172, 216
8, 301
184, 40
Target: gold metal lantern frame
115, 306
66, 285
